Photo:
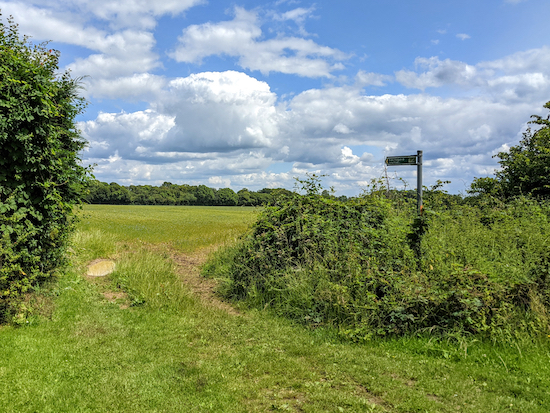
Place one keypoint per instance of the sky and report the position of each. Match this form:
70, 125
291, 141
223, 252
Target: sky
254, 94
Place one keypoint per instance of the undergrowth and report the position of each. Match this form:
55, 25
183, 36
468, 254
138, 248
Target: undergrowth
370, 267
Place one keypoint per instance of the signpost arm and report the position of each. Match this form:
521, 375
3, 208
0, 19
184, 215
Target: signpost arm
419, 182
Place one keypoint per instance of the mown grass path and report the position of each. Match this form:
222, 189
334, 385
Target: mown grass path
183, 350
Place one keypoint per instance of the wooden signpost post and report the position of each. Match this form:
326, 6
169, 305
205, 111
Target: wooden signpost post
411, 160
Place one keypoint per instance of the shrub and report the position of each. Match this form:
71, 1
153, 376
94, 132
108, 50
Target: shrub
41, 178
368, 267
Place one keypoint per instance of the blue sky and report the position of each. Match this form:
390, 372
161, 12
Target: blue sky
253, 94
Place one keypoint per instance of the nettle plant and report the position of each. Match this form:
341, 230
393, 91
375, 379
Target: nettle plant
41, 177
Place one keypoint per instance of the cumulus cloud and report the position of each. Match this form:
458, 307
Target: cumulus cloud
438, 73
241, 38
119, 14
463, 36
523, 76
126, 53
202, 113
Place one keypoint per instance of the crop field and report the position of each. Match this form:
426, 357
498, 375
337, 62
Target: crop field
154, 336
184, 228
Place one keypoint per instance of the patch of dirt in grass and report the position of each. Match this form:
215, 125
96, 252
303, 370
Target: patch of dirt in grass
104, 286
188, 267
409, 382
371, 397
120, 298
91, 330
278, 399
39, 304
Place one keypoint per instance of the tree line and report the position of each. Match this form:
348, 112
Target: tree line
173, 194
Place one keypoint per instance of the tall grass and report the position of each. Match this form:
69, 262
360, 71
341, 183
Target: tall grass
150, 279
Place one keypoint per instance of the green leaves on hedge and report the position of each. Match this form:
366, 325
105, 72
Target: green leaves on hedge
41, 177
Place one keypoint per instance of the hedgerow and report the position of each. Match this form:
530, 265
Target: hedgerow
41, 178
365, 268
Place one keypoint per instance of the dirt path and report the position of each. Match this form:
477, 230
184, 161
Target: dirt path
188, 268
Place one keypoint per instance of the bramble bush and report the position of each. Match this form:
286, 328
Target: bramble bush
41, 178
364, 267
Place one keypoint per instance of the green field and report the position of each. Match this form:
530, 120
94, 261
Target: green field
184, 228
147, 339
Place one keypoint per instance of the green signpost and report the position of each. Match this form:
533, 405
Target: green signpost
401, 160
411, 160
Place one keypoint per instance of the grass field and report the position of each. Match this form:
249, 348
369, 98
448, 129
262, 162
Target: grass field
184, 228
164, 345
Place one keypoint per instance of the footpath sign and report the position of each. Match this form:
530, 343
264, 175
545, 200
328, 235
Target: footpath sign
411, 160
401, 160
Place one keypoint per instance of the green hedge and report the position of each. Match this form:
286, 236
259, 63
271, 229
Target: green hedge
368, 267
41, 178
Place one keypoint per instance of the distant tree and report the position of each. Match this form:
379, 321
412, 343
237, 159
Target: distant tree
98, 193
119, 195
186, 198
244, 197
227, 197
41, 177
205, 195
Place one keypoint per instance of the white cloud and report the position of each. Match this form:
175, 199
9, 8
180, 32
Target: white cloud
438, 73
112, 53
298, 16
523, 76
119, 14
463, 36
203, 113
241, 38
372, 79
126, 53
142, 86
534, 60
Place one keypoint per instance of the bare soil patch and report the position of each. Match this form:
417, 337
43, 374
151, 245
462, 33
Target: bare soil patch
104, 286
188, 268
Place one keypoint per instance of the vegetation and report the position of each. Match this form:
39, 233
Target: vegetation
451, 308
370, 267
184, 229
172, 194
41, 178
82, 349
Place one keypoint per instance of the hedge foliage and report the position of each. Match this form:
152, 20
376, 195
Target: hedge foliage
370, 267
41, 177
